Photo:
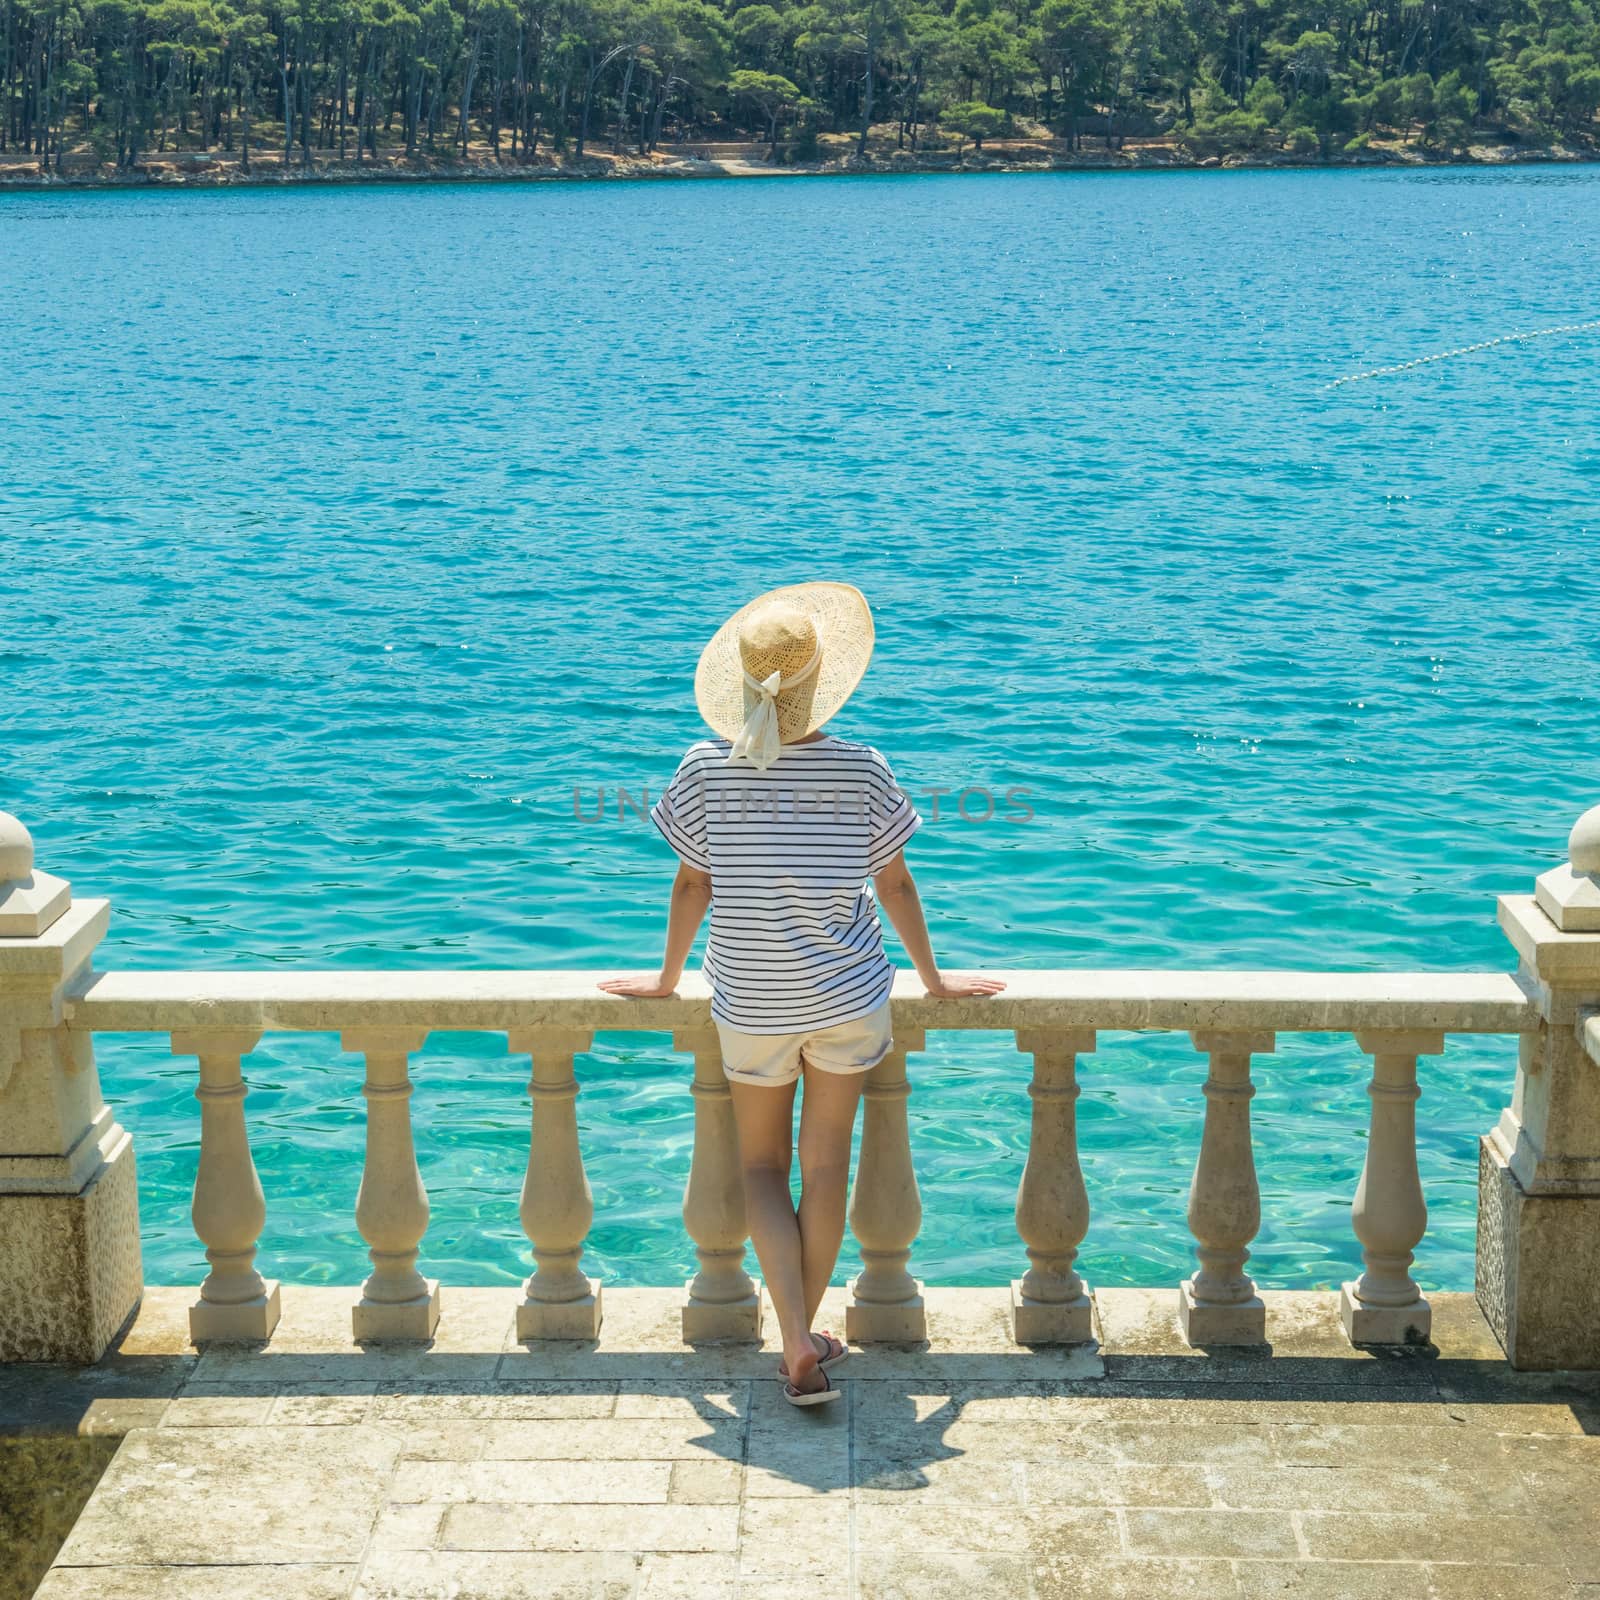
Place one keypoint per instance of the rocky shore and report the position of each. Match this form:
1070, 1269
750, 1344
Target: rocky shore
196, 170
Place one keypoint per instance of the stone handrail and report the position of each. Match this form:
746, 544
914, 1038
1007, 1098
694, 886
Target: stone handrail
300, 1000
64, 1292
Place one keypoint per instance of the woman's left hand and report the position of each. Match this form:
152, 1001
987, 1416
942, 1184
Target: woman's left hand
656, 988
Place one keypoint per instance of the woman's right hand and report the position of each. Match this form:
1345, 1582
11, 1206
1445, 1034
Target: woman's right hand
963, 986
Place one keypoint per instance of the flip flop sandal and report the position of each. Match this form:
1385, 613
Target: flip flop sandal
811, 1397
838, 1350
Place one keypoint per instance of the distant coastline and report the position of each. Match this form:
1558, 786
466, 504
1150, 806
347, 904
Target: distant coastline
185, 170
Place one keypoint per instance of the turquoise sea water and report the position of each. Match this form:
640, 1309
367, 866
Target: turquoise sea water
346, 532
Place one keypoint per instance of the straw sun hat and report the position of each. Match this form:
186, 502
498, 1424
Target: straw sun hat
780, 666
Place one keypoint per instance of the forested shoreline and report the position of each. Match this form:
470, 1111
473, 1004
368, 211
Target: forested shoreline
109, 84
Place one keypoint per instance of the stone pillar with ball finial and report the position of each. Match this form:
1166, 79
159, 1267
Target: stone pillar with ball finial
69, 1206
1538, 1271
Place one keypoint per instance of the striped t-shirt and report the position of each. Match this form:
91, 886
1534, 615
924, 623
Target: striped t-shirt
794, 942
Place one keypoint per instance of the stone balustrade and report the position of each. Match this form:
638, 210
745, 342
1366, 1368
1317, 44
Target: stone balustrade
66, 1168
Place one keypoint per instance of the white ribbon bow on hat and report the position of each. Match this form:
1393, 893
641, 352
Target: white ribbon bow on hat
758, 741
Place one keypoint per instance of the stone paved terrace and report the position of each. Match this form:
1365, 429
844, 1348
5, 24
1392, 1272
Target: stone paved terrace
478, 1468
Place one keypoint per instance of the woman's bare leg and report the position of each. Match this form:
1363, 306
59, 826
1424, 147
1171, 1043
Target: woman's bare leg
827, 1119
765, 1120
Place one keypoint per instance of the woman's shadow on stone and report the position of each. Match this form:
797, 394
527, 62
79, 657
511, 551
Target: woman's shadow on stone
872, 1438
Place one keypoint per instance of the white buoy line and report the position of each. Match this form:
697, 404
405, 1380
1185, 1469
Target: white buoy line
1465, 350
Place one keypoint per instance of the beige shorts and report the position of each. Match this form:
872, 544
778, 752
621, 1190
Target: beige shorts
773, 1059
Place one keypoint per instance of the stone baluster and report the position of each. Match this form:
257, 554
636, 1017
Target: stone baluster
396, 1302
236, 1303
69, 1202
1384, 1305
1589, 1035
1219, 1304
1539, 1169
723, 1302
557, 1205
1050, 1303
886, 1209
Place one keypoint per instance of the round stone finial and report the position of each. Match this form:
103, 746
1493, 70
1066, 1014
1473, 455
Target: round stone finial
1583, 847
16, 850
